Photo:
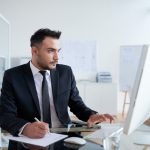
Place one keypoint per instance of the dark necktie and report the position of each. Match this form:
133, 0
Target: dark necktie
45, 100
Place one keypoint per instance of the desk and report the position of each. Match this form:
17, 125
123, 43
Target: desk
60, 145
126, 143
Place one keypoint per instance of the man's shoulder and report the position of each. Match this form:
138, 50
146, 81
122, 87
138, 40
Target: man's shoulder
63, 67
17, 68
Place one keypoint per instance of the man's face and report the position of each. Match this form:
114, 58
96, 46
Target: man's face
46, 54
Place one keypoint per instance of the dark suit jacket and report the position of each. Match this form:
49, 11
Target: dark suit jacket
19, 100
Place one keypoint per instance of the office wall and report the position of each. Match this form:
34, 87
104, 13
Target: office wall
111, 22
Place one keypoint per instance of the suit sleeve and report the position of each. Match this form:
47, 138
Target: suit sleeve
76, 104
8, 107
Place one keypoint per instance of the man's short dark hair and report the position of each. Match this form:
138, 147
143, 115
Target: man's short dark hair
41, 34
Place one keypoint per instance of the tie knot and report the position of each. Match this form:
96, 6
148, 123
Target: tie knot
43, 73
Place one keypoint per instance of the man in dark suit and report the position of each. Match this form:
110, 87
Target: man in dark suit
25, 87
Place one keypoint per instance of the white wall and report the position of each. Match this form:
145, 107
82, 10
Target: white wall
111, 22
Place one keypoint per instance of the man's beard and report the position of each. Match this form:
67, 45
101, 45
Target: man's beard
47, 67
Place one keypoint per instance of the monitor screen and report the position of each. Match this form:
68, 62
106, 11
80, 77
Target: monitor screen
139, 110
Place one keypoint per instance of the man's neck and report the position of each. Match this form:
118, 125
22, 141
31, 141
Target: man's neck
35, 65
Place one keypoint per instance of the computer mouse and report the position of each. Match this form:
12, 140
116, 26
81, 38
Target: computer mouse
75, 140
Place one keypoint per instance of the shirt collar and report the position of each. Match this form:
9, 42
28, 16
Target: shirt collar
35, 70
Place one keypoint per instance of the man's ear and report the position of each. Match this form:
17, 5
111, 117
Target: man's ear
34, 50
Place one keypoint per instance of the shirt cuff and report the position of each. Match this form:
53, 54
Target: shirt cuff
21, 129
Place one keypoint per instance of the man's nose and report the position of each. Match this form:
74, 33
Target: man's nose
56, 56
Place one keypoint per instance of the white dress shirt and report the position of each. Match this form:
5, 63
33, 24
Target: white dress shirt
38, 78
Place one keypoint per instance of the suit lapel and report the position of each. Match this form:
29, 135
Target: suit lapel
30, 81
54, 83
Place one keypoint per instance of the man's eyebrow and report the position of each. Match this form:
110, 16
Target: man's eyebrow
54, 49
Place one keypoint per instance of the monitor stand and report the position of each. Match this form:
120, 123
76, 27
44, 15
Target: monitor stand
142, 134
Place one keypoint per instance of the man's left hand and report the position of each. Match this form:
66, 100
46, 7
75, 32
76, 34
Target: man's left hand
98, 118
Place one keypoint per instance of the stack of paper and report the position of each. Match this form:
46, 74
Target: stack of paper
104, 77
45, 141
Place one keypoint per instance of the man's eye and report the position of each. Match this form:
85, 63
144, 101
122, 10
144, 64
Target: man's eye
50, 51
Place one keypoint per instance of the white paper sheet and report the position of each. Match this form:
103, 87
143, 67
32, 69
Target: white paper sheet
45, 141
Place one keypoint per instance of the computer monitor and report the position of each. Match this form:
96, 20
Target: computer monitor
139, 110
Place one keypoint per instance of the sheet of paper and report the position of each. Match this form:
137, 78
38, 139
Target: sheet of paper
45, 141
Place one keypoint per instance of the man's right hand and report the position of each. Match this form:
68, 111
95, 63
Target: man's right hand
36, 130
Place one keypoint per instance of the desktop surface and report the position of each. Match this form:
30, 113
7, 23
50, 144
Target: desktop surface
126, 143
60, 145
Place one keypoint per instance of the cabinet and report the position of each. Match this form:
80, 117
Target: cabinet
101, 97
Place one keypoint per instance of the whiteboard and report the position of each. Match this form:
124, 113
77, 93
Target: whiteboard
129, 61
80, 55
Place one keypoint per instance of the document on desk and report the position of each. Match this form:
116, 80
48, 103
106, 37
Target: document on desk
48, 139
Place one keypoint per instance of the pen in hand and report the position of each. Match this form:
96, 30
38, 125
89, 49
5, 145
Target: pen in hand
68, 127
36, 119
